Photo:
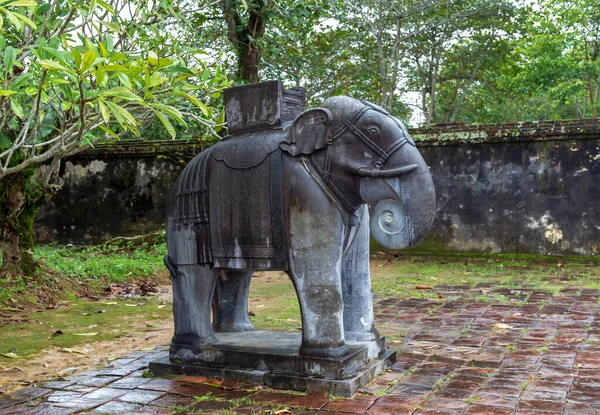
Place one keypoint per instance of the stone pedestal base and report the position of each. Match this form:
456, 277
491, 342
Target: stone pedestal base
272, 358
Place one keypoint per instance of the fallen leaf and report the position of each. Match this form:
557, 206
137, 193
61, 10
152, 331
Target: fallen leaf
153, 325
147, 349
85, 334
92, 326
260, 306
11, 355
131, 305
162, 306
435, 279
84, 314
380, 266
282, 412
71, 350
111, 303
111, 358
501, 326
440, 295
484, 291
56, 333
423, 287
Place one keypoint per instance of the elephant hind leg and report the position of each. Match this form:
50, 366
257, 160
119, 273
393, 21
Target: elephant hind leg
230, 304
193, 287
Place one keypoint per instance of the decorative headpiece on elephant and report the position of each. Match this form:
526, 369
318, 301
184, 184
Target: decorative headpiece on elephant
302, 210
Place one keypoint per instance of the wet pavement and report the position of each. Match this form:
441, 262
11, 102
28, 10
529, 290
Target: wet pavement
510, 351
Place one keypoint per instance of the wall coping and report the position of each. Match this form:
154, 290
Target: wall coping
460, 133
437, 134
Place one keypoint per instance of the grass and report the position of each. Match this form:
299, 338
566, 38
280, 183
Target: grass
66, 273
273, 298
78, 320
275, 305
112, 263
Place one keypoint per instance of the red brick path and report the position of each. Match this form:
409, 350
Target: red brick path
527, 352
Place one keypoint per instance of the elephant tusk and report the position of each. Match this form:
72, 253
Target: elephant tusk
386, 174
351, 237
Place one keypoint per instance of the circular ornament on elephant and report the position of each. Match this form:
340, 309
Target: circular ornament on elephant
388, 224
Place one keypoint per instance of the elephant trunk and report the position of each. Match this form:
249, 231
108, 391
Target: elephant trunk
402, 223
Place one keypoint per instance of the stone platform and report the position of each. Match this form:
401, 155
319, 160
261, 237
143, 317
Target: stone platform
272, 358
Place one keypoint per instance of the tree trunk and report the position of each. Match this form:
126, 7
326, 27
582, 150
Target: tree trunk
16, 226
431, 109
245, 37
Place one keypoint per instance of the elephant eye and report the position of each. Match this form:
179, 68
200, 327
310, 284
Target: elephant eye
373, 130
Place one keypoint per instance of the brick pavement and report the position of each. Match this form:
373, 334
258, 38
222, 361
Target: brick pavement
512, 351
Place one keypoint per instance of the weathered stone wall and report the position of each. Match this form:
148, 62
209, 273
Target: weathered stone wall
523, 187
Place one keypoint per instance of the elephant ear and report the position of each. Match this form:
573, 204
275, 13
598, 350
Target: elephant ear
308, 132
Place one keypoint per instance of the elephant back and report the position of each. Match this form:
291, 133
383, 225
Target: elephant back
227, 205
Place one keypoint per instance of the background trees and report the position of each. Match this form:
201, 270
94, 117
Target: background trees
76, 73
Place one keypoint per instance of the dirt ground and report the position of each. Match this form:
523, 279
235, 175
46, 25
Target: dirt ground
55, 362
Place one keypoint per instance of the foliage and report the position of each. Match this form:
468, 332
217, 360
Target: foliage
111, 264
557, 73
76, 73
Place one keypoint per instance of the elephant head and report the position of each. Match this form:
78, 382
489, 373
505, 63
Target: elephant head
365, 155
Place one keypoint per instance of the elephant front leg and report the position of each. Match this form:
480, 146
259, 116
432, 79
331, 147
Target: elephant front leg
230, 305
320, 296
356, 285
193, 287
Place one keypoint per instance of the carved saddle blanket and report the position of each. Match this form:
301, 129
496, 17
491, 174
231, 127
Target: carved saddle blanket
231, 197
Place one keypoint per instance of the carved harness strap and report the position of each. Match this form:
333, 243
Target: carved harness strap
349, 125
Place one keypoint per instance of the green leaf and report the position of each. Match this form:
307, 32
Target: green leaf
106, 7
76, 58
178, 69
57, 54
171, 111
43, 8
123, 116
122, 92
65, 105
27, 20
88, 60
109, 132
220, 121
104, 111
205, 110
14, 20
164, 62
165, 122
48, 64
16, 108
10, 56
7, 92
152, 58
21, 3
112, 26
31, 90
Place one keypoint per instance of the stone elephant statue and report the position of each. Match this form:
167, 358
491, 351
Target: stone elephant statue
294, 199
